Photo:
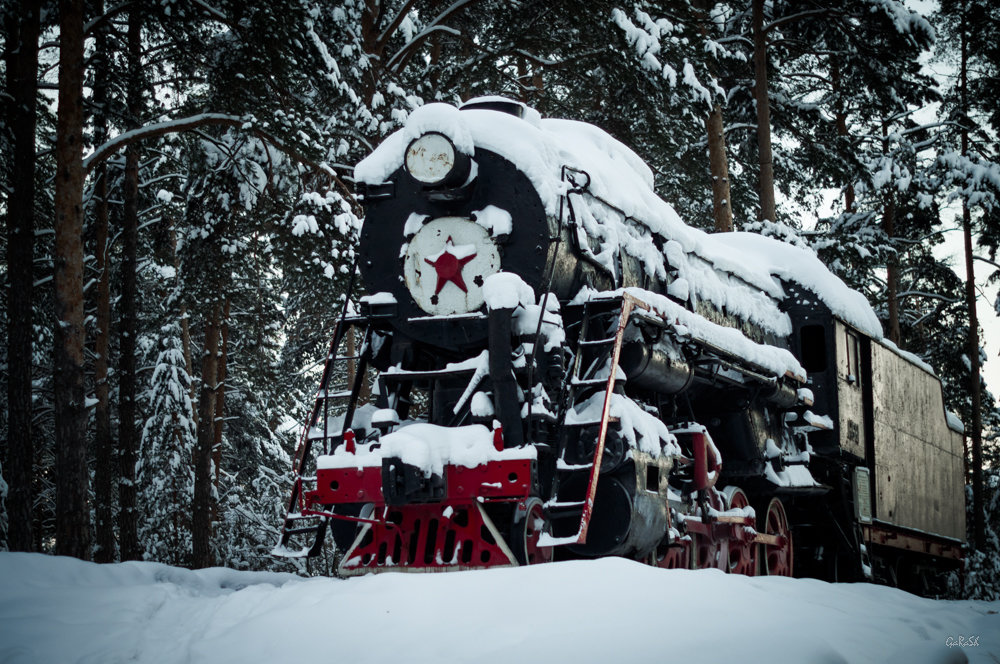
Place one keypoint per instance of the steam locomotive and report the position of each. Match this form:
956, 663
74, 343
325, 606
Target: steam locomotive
549, 364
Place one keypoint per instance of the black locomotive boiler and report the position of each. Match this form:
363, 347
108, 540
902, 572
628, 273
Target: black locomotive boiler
549, 364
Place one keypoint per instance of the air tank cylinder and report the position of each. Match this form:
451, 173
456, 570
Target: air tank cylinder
660, 366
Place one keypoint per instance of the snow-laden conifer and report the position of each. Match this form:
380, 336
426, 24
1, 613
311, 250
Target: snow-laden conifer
165, 476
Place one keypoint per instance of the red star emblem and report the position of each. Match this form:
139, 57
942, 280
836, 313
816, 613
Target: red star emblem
449, 267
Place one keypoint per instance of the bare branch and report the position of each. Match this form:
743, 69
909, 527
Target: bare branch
212, 11
932, 296
432, 27
400, 56
987, 261
386, 35
95, 23
204, 119
793, 17
157, 129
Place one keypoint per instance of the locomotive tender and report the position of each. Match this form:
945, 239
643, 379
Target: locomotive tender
558, 367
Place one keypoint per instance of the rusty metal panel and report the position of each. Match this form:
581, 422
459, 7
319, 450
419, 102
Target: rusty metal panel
918, 459
885, 469
850, 425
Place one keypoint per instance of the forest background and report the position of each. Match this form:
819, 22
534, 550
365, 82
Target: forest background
181, 222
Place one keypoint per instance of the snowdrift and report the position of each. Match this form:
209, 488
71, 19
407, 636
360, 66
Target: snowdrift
55, 610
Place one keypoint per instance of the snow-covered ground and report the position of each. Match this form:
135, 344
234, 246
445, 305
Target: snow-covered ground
56, 610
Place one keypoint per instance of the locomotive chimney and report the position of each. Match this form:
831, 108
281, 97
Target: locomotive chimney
501, 104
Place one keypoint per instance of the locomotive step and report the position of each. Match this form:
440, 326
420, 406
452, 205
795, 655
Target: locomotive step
595, 381
590, 423
598, 342
281, 551
567, 508
342, 358
600, 302
569, 467
343, 394
432, 374
817, 490
449, 317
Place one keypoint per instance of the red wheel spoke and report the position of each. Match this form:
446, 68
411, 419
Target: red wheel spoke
742, 552
527, 531
778, 558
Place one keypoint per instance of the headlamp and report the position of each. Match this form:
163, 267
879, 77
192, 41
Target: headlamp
432, 160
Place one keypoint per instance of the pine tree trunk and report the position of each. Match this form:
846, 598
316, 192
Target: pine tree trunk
18, 467
201, 518
127, 437
719, 164
522, 76
350, 349
434, 53
72, 477
185, 326
766, 176
104, 552
892, 263
892, 271
840, 121
369, 44
220, 407
978, 511
186, 344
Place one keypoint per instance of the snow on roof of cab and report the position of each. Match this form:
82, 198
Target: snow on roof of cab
540, 148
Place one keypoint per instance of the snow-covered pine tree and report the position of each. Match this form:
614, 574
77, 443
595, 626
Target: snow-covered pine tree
4, 527
254, 484
165, 476
269, 156
104, 537
138, 69
21, 52
823, 91
72, 490
848, 72
680, 49
981, 574
970, 166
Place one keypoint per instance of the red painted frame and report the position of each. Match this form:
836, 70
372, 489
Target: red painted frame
508, 479
450, 534
427, 537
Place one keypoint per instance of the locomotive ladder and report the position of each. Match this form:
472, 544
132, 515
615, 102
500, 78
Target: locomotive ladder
581, 380
309, 526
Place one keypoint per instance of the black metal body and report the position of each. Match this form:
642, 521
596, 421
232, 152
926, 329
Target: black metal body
524, 252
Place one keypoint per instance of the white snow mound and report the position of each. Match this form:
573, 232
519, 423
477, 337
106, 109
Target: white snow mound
64, 610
